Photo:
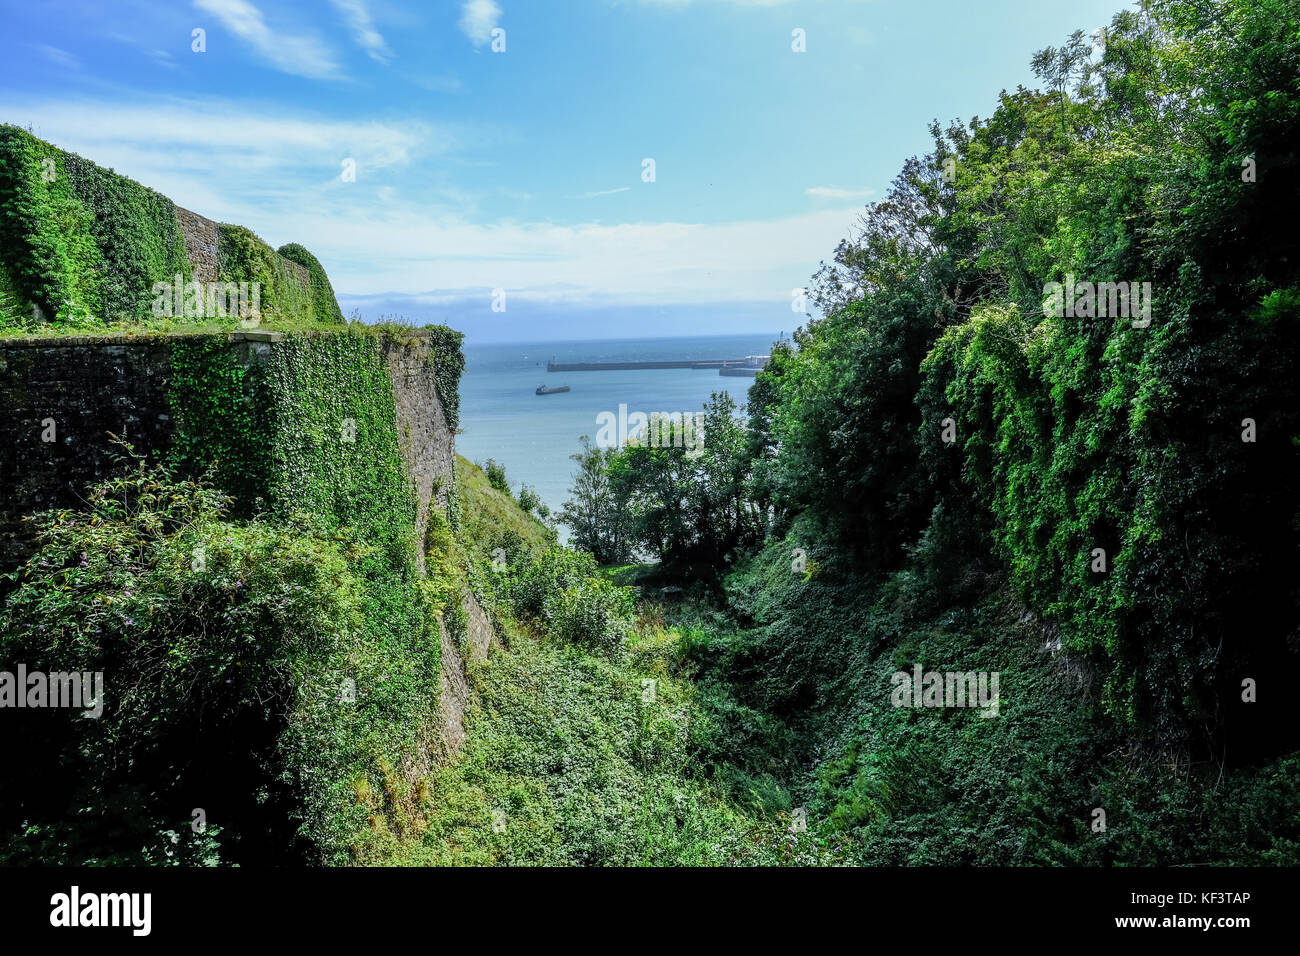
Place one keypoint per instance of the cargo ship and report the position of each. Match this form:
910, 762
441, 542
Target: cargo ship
543, 390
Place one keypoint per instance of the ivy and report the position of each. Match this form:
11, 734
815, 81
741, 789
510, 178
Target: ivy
222, 420
243, 257
312, 429
448, 360
84, 246
324, 306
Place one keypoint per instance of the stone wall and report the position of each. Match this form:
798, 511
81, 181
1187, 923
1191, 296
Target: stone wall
80, 391
428, 445
202, 248
201, 244
76, 392
65, 397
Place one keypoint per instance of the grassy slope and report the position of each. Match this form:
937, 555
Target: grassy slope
580, 766
489, 519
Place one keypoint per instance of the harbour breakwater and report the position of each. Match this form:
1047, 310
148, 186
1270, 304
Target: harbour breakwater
750, 364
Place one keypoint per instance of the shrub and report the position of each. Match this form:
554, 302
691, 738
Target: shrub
496, 473
593, 613
218, 643
532, 503
556, 570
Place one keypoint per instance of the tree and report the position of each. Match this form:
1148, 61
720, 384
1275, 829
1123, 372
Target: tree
596, 512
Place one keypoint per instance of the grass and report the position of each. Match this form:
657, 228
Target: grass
575, 756
491, 519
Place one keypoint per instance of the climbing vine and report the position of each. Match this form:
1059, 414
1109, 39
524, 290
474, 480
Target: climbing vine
312, 427
222, 419
324, 306
82, 244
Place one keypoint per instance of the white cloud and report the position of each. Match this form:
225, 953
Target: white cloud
60, 58
211, 156
406, 251
277, 172
478, 18
604, 192
835, 192
363, 29
300, 55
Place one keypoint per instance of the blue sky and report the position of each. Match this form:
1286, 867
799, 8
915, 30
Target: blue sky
522, 170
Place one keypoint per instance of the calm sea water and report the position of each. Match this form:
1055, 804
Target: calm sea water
534, 435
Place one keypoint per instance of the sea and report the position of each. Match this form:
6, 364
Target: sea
533, 435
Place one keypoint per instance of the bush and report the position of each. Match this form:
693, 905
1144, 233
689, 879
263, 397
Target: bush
496, 473
556, 570
532, 503
593, 613
218, 643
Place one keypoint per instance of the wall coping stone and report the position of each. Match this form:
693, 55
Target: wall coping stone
155, 338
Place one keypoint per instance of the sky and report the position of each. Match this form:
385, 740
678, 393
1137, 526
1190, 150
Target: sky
432, 164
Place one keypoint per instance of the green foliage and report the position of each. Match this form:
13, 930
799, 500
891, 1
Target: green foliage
222, 646
580, 753
794, 708
1073, 432
531, 502
138, 236
555, 570
580, 770
490, 524
309, 428
448, 360
335, 448
889, 545
83, 246
597, 513
593, 613
496, 475
324, 306
223, 421
243, 257
855, 538
672, 493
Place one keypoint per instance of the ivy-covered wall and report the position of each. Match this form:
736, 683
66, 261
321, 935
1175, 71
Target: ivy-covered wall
82, 246
357, 424
79, 241
342, 432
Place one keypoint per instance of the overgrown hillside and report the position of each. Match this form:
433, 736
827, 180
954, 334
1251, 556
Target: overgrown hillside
582, 736
1046, 431
994, 567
